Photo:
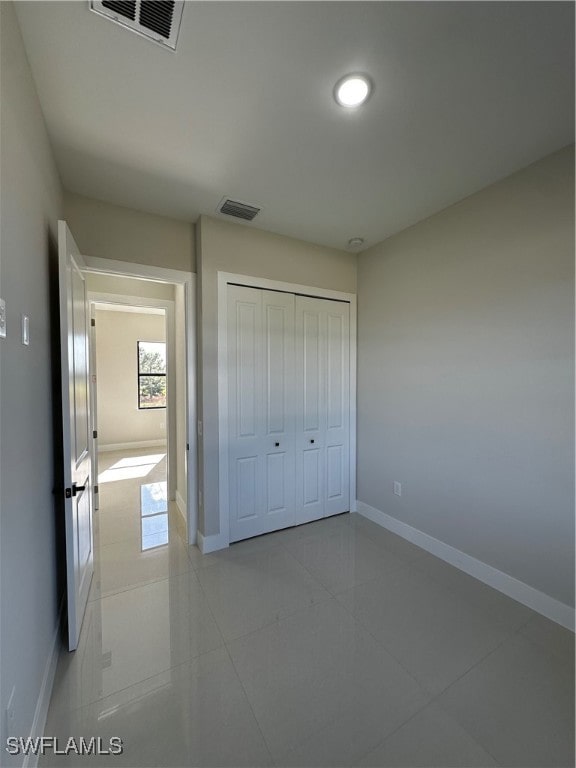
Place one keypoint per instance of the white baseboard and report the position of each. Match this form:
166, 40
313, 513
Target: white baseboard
207, 544
182, 519
132, 446
41, 711
181, 504
186, 529
538, 601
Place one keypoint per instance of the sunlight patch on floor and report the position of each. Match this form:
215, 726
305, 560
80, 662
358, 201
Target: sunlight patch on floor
130, 468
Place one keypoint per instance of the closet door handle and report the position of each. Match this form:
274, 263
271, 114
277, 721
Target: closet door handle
277, 445
312, 440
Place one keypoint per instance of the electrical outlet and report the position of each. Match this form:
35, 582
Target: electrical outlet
11, 715
397, 488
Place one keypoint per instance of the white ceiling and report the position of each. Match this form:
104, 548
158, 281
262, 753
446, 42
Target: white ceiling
465, 93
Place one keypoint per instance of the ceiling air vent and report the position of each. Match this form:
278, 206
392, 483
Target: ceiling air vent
157, 20
237, 209
126, 9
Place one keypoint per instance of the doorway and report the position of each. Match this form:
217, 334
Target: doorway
134, 384
144, 315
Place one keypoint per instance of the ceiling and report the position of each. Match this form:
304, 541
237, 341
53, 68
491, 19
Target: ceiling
465, 94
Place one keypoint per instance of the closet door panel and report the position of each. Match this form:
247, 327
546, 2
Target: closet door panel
335, 486
246, 496
337, 438
276, 482
246, 384
278, 336
245, 424
278, 410
336, 368
310, 410
311, 469
260, 411
311, 339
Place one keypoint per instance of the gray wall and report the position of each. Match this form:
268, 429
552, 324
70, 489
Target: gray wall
240, 249
114, 232
466, 364
119, 418
30, 206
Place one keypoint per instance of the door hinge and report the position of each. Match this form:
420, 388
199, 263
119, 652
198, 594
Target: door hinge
92, 322
95, 434
68, 493
95, 489
187, 446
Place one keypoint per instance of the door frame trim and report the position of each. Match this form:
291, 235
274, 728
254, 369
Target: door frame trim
222, 539
99, 265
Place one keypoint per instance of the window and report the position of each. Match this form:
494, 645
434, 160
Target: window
151, 374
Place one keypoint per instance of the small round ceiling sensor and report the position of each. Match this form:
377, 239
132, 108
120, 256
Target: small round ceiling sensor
352, 90
356, 242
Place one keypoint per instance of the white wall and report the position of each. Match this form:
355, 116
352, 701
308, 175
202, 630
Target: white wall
466, 376
113, 232
222, 246
119, 418
30, 538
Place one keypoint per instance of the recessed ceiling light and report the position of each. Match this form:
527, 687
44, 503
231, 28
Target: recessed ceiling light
356, 242
352, 90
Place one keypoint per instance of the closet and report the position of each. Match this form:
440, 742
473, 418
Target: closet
288, 409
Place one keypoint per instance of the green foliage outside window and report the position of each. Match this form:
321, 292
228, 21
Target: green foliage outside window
151, 374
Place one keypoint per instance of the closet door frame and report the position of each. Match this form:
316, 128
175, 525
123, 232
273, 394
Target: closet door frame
222, 540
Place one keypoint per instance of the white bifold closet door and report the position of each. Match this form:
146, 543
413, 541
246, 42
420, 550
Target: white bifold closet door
288, 409
260, 411
322, 388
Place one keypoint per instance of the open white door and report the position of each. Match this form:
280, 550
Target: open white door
77, 437
94, 407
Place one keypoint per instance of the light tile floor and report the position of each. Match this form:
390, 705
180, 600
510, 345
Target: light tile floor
332, 644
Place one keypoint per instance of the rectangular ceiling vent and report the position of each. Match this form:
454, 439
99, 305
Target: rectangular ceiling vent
237, 209
157, 20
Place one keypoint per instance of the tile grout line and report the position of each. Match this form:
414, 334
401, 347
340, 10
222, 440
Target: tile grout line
139, 682
225, 646
138, 586
161, 671
433, 697
265, 741
331, 594
276, 620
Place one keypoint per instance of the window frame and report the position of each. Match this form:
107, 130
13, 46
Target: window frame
140, 375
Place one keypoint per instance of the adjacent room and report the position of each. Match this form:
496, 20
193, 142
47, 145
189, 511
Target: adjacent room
287, 384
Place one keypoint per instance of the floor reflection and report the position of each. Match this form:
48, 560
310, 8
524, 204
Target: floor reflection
153, 515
